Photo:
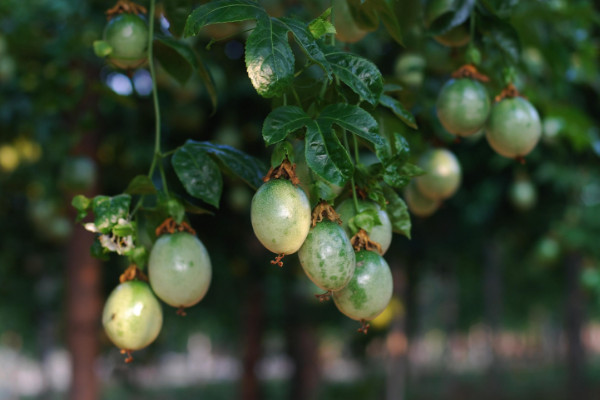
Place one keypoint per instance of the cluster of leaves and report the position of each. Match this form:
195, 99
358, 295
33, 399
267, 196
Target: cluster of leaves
324, 119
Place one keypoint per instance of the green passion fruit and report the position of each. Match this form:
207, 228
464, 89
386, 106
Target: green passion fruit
421, 206
514, 128
522, 194
370, 289
443, 174
127, 35
179, 269
132, 316
381, 234
463, 106
281, 216
327, 256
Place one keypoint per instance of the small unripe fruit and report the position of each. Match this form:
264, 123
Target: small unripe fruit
443, 174
463, 106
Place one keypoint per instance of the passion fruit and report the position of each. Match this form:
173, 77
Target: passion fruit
463, 106
443, 174
381, 234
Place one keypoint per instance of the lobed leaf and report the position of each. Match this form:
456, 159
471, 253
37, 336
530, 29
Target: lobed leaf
325, 155
141, 184
360, 74
198, 173
222, 11
281, 122
353, 119
269, 58
399, 110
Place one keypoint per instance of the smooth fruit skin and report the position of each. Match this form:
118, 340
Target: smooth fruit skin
419, 205
327, 256
280, 215
370, 289
514, 127
443, 174
381, 234
522, 194
463, 106
132, 316
127, 34
179, 269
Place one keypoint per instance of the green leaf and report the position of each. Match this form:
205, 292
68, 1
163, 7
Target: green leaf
222, 11
173, 61
138, 256
209, 83
269, 58
281, 122
321, 25
392, 87
176, 12
141, 184
456, 15
364, 14
387, 14
124, 229
282, 151
353, 119
108, 211
82, 205
306, 41
176, 210
325, 155
398, 174
102, 48
194, 209
360, 74
248, 168
399, 110
198, 173
502, 36
320, 190
366, 220
98, 251
398, 212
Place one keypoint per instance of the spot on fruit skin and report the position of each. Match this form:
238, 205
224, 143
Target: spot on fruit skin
369, 290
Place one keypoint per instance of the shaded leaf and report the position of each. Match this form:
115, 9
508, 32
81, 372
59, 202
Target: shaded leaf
326, 156
281, 122
503, 36
282, 151
269, 58
360, 74
198, 173
398, 212
456, 15
248, 168
173, 62
222, 11
353, 119
399, 110
141, 184
306, 42
364, 14
387, 14
108, 210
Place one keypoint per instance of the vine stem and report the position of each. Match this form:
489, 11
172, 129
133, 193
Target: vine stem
157, 154
354, 197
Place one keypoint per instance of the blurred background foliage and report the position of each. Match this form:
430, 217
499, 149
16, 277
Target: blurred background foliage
517, 275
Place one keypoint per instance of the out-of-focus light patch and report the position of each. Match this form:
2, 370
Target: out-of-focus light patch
9, 158
234, 50
595, 138
119, 83
591, 194
164, 23
142, 81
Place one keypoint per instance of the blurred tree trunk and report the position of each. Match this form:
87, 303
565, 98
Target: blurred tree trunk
576, 388
83, 309
84, 296
252, 341
397, 342
492, 295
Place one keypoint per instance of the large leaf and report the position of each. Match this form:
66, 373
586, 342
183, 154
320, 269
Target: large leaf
108, 211
399, 110
325, 155
269, 58
244, 166
398, 212
198, 173
360, 74
281, 122
306, 42
457, 14
353, 119
221, 11
503, 36
387, 14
